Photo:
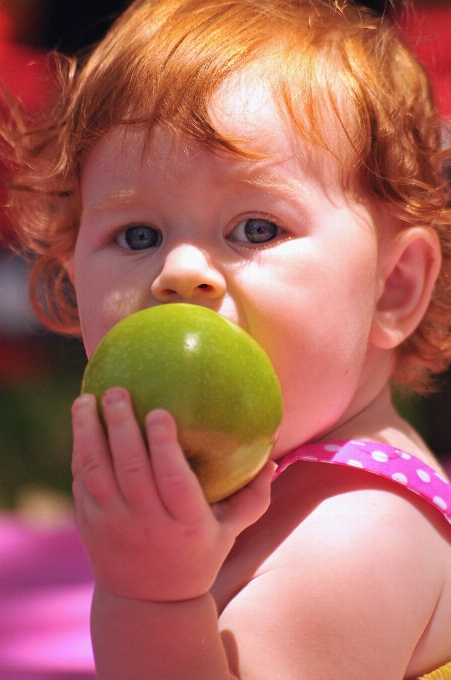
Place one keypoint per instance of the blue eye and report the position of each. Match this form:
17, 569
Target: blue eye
255, 230
139, 237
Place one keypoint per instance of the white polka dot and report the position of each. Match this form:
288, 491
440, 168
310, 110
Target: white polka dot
423, 475
399, 477
439, 502
332, 447
380, 456
357, 443
355, 463
404, 455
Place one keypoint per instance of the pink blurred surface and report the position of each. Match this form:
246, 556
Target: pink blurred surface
45, 594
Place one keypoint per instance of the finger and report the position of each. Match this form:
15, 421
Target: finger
128, 450
91, 463
178, 486
246, 506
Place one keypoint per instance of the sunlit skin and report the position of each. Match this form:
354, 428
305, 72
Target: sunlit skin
329, 288
291, 292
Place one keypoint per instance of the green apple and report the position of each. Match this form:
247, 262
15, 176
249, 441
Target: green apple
213, 377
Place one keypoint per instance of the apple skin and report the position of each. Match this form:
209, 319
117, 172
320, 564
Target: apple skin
213, 377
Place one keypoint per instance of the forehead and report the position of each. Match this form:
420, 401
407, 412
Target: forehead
244, 111
123, 169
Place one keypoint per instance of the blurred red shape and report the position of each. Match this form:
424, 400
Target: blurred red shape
426, 31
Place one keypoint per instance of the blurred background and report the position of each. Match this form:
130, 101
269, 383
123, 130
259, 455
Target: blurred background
40, 372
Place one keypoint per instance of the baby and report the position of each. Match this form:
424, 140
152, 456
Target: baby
280, 162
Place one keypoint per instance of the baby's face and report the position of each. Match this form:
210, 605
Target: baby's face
267, 243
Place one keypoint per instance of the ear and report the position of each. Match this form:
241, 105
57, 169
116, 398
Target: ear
409, 268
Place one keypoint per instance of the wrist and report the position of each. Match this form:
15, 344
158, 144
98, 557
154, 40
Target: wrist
164, 588
140, 639
109, 598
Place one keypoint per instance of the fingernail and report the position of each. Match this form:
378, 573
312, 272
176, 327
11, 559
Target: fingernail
82, 401
114, 396
156, 417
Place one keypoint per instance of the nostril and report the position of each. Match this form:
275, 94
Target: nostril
205, 286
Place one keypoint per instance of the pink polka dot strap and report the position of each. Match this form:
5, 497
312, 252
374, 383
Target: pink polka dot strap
380, 459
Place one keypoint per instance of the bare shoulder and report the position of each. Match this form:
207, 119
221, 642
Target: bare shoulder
347, 583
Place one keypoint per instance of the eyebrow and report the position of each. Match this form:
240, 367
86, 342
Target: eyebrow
114, 198
259, 177
268, 179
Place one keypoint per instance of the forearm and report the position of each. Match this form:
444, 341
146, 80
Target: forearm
155, 542
138, 640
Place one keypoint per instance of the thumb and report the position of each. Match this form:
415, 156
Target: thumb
248, 504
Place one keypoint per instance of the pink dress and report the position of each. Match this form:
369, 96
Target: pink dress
383, 460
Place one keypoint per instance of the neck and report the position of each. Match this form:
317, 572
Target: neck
380, 422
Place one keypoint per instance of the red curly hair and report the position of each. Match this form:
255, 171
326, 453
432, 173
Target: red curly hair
331, 66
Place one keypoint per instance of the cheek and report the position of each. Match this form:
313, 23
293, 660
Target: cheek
103, 300
314, 326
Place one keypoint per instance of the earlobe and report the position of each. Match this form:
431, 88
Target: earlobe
409, 268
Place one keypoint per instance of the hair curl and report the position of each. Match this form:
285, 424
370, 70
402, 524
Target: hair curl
331, 66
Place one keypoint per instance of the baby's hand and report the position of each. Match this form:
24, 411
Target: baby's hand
148, 530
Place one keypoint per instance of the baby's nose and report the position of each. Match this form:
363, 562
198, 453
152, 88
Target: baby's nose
188, 274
